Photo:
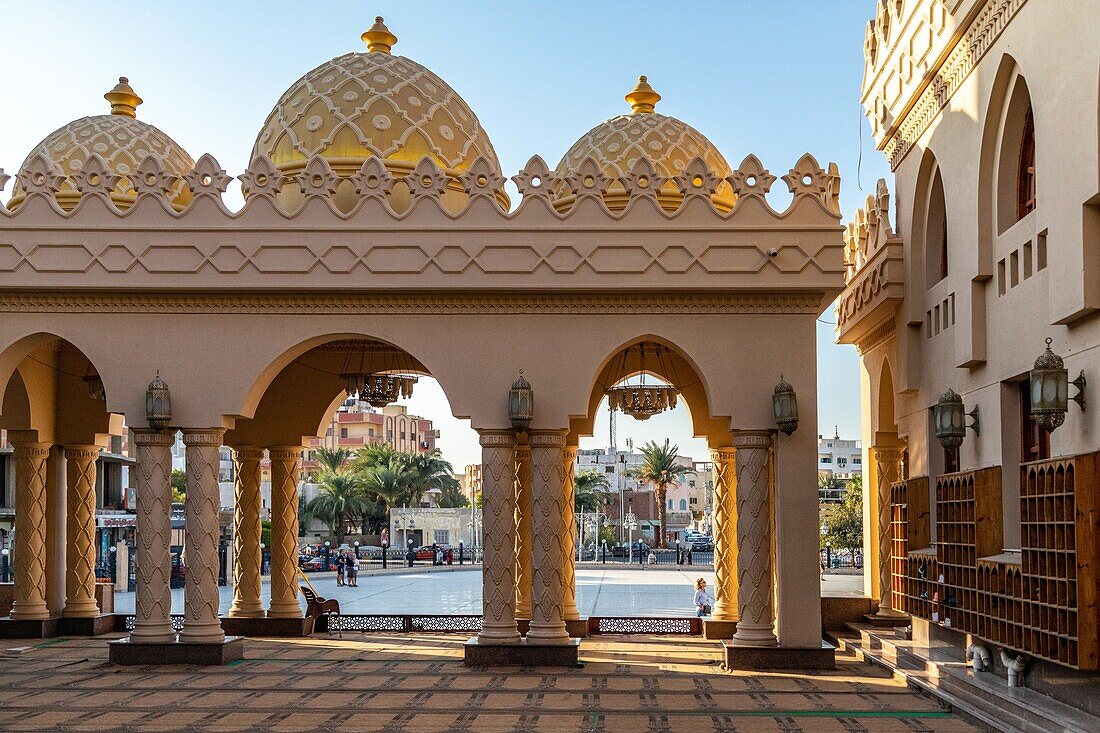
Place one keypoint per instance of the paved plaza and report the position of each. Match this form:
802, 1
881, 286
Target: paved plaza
601, 591
401, 684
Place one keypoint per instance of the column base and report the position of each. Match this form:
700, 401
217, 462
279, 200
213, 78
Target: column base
261, 626
25, 628
718, 629
86, 625
779, 657
887, 620
523, 654
576, 627
178, 652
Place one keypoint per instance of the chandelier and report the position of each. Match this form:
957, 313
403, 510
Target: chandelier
381, 377
642, 400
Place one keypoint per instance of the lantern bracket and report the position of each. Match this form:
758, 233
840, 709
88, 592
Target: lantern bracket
1079, 383
975, 426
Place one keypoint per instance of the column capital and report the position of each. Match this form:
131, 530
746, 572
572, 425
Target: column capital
285, 452
886, 453
497, 437
752, 438
150, 437
203, 436
248, 453
547, 438
723, 453
81, 451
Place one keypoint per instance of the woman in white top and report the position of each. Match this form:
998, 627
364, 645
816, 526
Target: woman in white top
703, 601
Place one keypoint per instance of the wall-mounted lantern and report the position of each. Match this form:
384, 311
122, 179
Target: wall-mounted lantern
785, 405
950, 417
1050, 390
521, 403
158, 404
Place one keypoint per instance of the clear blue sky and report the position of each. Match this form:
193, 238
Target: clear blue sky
775, 78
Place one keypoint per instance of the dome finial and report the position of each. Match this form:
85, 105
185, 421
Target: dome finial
642, 98
378, 38
123, 99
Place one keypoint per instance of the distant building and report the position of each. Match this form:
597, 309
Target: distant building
838, 459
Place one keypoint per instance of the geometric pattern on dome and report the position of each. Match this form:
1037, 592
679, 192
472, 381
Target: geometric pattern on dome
668, 143
122, 141
373, 104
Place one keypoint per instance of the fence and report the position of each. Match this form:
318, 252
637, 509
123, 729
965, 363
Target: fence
659, 557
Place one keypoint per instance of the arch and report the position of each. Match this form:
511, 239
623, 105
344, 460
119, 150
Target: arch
885, 413
931, 224
690, 383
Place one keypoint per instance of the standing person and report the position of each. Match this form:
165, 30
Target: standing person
339, 569
703, 601
352, 564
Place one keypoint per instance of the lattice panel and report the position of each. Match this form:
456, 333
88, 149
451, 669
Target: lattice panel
366, 623
176, 619
632, 625
445, 623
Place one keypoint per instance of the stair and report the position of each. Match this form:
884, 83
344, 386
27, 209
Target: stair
941, 671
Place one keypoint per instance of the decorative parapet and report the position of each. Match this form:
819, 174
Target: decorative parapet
152, 246
874, 277
917, 53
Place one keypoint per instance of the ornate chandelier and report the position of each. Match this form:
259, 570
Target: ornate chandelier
643, 400
379, 379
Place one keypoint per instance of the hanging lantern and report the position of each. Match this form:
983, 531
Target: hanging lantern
379, 386
950, 416
158, 404
96, 390
521, 404
1050, 390
785, 406
642, 400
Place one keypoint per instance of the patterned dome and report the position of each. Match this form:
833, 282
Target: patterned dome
122, 140
361, 105
666, 142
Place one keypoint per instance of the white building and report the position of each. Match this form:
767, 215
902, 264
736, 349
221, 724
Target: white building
839, 458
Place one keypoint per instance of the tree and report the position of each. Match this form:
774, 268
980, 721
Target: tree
590, 491
331, 460
452, 497
844, 525
178, 481
425, 472
341, 498
660, 469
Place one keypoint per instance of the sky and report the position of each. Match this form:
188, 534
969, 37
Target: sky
777, 78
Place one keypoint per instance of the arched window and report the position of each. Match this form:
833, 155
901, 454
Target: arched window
683, 505
1025, 176
935, 233
1016, 165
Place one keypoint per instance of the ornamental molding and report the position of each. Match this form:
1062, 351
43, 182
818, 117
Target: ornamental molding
967, 49
876, 336
546, 439
410, 304
204, 437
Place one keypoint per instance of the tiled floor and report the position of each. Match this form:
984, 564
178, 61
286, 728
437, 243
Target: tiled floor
397, 684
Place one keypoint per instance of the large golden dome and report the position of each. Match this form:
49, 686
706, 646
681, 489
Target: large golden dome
374, 104
122, 140
666, 142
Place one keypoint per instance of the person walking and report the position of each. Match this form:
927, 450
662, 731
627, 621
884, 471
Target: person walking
703, 601
339, 569
352, 563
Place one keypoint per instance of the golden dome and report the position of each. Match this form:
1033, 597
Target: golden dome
362, 105
666, 142
122, 140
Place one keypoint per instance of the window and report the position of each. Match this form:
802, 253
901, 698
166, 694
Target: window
857, 461
343, 432
370, 432
1025, 177
693, 501
683, 505
1034, 441
442, 537
670, 503
950, 460
826, 459
609, 469
935, 232
1016, 162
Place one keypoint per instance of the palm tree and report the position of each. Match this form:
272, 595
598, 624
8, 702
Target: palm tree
388, 487
340, 499
426, 471
332, 460
590, 491
659, 468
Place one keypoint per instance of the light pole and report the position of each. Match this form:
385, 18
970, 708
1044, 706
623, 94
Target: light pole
5, 569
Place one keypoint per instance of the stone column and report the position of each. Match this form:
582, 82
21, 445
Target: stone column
56, 530
30, 525
725, 534
548, 535
286, 471
246, 534
498, 460
152, 622
756, 618
887, 469
523, 531
569, 533
80, 550
201, 599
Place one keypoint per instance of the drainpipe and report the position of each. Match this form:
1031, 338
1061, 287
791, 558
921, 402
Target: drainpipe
1015, 667
979, 657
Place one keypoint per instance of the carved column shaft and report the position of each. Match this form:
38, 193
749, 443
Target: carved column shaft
756, 622
523, 532
152, 622
569, 532
30, 525
498, 458
80, 551
725, 534
246, 534
887, 468
201, 598
286, 471
548, 536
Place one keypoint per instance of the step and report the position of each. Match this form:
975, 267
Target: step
986, 697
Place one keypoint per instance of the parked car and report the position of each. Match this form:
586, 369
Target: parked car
702, 545
620, 551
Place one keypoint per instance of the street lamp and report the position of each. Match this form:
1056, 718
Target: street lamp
357, 549
5, 570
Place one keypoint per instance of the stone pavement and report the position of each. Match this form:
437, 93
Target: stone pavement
417, 684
